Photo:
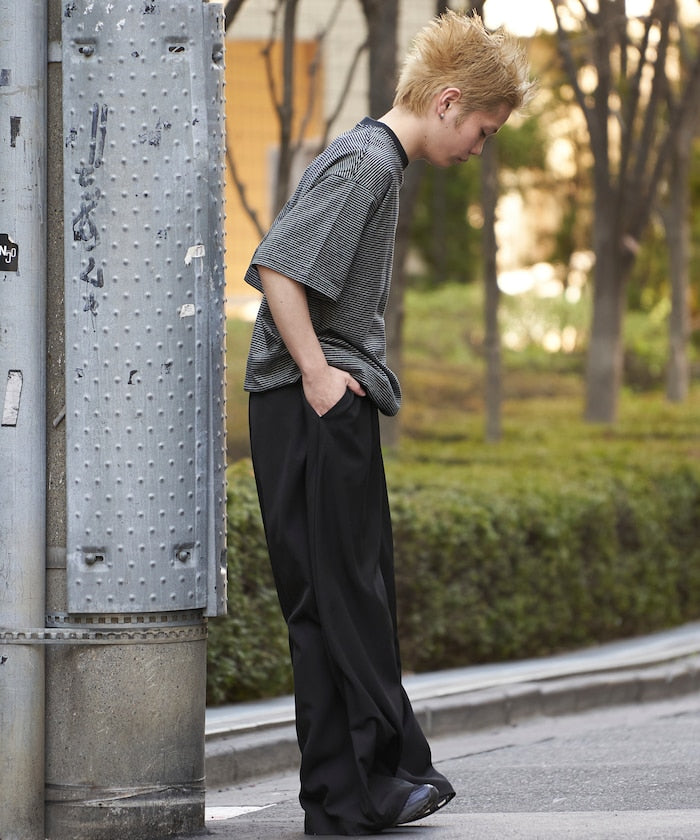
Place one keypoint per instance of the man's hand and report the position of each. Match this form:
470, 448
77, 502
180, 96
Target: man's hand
323, 385
325, 388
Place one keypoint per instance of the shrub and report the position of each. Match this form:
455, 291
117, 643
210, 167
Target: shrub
248, 651
488, 571
486, 578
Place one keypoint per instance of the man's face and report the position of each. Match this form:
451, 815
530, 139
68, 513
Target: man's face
454, 142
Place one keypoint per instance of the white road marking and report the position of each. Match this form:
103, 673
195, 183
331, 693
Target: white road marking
224, 812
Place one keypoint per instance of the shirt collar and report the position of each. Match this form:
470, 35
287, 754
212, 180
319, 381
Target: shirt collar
395, 140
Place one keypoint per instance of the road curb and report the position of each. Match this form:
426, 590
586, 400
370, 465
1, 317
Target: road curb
240, 757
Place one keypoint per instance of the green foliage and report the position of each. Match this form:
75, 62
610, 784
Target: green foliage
444, 235
248, 653
562, 535
444, 324
649, 282
649, 289
543, 566
522, 145
569, 542
646, 346
446, 231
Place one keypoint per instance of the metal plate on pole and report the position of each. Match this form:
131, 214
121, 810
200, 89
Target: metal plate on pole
144, 275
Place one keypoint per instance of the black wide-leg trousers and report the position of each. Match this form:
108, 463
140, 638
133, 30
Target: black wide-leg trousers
326, 515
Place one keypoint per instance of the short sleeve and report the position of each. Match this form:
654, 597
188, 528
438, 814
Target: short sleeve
314, 240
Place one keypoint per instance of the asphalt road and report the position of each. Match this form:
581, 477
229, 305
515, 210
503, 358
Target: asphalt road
629, 772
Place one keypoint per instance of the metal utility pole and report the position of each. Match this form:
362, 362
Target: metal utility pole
132, 475
22, 429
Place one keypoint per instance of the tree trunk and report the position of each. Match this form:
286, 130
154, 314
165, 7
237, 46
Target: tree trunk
394, 315
605, 347
395, 312
382, 18
676, 218
676, 221
439, 218
285, 107
492, 336
604, 367
231, 9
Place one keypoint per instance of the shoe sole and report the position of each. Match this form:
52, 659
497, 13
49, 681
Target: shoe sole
420, 809
431, 808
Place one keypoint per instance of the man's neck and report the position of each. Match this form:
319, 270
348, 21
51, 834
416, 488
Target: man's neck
409, 129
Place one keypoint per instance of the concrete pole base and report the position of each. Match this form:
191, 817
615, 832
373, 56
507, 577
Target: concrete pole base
125, 737
138, 817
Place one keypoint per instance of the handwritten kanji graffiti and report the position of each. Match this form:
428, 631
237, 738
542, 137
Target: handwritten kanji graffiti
85, 228
98, 281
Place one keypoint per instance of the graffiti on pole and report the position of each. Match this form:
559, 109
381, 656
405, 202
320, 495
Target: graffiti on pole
85, 228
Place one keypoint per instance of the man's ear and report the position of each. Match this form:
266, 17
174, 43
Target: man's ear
448, 97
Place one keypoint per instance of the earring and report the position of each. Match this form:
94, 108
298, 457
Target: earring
442, 116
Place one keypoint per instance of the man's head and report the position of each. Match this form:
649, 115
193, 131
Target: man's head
456, 51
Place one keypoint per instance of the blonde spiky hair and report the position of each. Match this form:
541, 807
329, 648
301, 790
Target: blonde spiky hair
456, 50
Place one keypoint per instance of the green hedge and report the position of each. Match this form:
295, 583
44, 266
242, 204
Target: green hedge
483, 578
248, 651
488, 574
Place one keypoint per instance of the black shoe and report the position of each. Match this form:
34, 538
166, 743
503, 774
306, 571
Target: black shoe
422, 800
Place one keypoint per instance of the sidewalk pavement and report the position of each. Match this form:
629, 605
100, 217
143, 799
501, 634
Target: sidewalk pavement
250, 740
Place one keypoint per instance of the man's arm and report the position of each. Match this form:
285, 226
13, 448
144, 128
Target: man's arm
323, 385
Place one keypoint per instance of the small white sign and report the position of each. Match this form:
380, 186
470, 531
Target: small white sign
194, 252
13, 393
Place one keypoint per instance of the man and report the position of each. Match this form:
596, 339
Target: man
317, 378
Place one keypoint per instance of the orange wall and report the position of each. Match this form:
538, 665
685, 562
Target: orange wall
252, 136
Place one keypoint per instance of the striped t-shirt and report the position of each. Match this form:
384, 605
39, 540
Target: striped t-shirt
336, 236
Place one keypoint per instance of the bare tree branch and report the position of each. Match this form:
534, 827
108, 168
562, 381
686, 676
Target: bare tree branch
284, 160
677, 121
601, 60
621, 20
282, 98
282, 103
310, 97
645, 144
231, 9
241, 190
570, 67
343, 92
632, 104
266, 53
382, 24
313, 74
331, 20
590, 15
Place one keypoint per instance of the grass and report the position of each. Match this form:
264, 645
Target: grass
442, 416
